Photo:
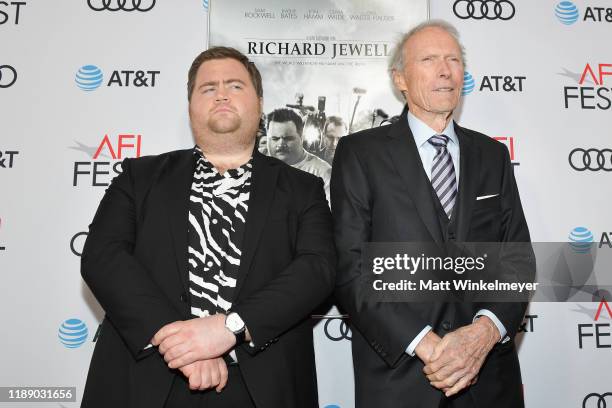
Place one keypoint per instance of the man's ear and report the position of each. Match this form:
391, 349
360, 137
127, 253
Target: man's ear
261, 104
398, 80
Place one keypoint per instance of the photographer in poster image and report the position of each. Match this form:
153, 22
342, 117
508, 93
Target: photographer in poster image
426, 179
285, 132
333, 130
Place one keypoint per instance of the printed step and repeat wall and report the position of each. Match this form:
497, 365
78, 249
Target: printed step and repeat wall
86, 83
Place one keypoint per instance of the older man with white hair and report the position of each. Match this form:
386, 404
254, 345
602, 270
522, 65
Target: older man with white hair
427, 179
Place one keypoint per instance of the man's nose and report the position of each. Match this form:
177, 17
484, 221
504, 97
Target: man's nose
221, 94
444, 69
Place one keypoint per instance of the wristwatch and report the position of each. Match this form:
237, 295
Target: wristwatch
235, 324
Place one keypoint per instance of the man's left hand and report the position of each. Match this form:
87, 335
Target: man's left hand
184, 342
457, 359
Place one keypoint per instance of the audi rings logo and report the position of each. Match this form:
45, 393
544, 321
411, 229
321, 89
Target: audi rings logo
121, 5
595, 400
8, 76
336, 329
591, 159
484, 9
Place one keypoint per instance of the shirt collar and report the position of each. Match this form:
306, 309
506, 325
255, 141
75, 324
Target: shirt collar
422, 132
208, 167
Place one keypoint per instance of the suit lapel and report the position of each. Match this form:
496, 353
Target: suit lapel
263, 184
468, 182
406, 159
177, 187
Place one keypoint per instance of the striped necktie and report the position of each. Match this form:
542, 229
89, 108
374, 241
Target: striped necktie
443, 177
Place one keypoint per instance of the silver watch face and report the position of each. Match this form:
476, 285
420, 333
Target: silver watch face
234, 322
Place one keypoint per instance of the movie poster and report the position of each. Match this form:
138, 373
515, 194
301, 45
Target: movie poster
325, 60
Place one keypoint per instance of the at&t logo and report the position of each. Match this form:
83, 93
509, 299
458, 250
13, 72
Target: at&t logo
115, 148
11, 15
468, 83
581, 239
73, 333
493, 83
568, 13
484, 9
90, 77
121, 5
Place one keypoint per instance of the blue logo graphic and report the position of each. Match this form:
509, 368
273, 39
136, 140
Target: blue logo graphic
581, 239
567, 12
468, 83
205, 3
332, 406
73, 333
89, 77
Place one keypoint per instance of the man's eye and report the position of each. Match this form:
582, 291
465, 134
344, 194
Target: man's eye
207, 90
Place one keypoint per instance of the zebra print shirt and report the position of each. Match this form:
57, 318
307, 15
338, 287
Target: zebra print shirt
218, 206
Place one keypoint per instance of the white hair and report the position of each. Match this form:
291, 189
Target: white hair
399, 57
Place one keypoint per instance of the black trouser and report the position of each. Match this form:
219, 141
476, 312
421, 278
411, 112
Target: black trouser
462, 400
234, 395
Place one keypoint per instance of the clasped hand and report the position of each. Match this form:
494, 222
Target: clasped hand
195, 348
453, 362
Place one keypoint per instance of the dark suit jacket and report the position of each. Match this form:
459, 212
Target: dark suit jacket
135, 262
381, 193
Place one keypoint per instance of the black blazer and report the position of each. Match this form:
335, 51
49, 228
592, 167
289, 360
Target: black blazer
380, 193
135, 262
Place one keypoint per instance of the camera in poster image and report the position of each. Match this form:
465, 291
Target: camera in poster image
106, 157
121, 5
10, 12
592, 91
90, 77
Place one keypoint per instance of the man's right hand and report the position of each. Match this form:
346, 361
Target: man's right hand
424, 350
205, 374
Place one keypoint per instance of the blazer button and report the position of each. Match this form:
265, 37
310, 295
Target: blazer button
446, 325
183, 297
